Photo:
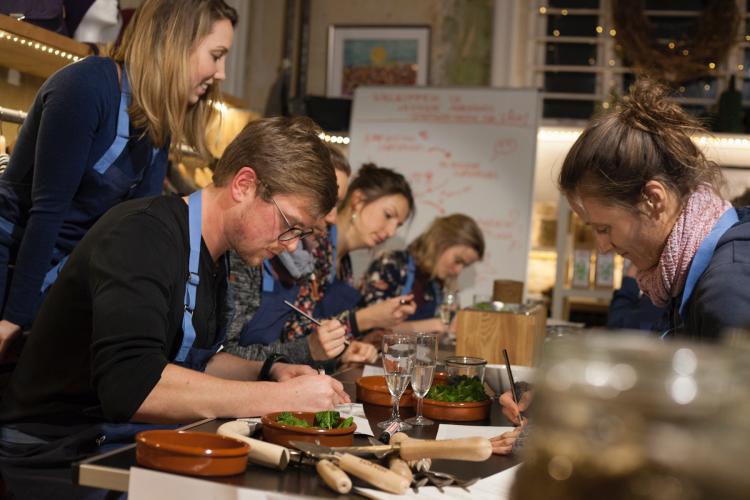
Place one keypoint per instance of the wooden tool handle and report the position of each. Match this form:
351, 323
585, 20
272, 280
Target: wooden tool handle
375, 474
335, 478
400, 467
398, 437
261, 452
473, 449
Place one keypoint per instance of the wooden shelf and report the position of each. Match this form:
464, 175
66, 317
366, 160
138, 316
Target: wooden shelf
34, 50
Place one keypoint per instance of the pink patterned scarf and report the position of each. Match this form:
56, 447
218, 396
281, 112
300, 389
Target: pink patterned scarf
667, 278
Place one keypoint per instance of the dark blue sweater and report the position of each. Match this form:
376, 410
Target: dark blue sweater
72, 122
721, 298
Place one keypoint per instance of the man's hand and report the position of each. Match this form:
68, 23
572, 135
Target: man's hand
283, 371
312, 393
511, 410
503, 444
328, 341
360, 352
8, 333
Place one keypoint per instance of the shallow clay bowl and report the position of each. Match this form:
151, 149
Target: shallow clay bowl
194, 453
463, 412
374, 390
281, 434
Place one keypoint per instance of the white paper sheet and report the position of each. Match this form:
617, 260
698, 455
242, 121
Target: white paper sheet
495, 487
369, 370
449, 431
146, 484
357, 411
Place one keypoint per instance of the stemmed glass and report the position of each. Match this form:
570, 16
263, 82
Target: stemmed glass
398, 360
448, 309
421, 375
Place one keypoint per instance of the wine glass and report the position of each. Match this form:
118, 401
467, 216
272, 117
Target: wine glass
398, 360
421, 375
447, 310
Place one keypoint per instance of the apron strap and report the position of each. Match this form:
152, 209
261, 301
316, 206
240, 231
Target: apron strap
705, 252
123, 129
332, 232
191, 285
268, 281
411, 271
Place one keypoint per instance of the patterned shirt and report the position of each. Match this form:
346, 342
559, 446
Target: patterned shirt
312, 288
386, 278
243, 299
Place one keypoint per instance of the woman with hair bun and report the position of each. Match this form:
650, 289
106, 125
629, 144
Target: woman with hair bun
425, 269
638, 179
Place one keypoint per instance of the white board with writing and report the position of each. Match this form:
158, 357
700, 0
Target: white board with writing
462, 150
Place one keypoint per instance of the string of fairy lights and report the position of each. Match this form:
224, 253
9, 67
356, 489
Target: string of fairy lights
600, 30
42, 47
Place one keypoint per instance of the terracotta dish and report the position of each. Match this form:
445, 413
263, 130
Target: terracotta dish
374, 390
194, 453
278, 433
462, 412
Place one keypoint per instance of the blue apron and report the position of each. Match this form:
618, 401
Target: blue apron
18, 449
702, 259
428, 308
112, 179
267, 323
339, 295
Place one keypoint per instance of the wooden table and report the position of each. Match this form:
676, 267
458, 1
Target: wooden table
111, 470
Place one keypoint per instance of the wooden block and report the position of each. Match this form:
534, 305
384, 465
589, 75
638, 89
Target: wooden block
486, 333
508, 291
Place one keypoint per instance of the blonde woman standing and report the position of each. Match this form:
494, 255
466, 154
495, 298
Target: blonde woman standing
98, 133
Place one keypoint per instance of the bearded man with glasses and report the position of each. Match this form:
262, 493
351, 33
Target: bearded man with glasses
130, 334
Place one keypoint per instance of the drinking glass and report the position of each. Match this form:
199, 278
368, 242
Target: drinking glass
421, 375
447, 310
398, 361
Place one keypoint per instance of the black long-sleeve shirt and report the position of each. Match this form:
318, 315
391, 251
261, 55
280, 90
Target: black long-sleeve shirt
113, 320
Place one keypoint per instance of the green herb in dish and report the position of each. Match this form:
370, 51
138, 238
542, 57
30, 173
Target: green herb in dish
458, 389
326, 419
323, 420
287, 418
345, 423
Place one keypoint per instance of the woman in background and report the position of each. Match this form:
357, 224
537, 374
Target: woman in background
432, 261
98, 133
377, 203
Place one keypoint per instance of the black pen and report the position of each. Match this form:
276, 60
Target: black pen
303, 313
516, 396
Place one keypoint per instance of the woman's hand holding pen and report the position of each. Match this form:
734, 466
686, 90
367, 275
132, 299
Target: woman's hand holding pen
386, 313
503, 444
512, 411
328, 341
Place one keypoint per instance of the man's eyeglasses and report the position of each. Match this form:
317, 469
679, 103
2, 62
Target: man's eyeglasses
293, 232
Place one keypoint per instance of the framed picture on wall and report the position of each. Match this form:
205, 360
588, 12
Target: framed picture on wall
376, 55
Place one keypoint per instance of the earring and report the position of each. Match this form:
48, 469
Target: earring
354, 217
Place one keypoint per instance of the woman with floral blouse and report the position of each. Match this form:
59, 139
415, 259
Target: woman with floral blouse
429, 265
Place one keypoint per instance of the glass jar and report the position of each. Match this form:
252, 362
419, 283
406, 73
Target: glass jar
626, 416
466, 365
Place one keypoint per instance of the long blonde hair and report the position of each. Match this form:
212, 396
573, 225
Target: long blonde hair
443, 233
155, 51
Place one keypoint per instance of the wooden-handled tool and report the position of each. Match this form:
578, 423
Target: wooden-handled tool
261, 452
471, 449
334, 477
417, 465
370, 472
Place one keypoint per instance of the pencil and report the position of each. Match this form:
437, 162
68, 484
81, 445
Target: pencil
516, 398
